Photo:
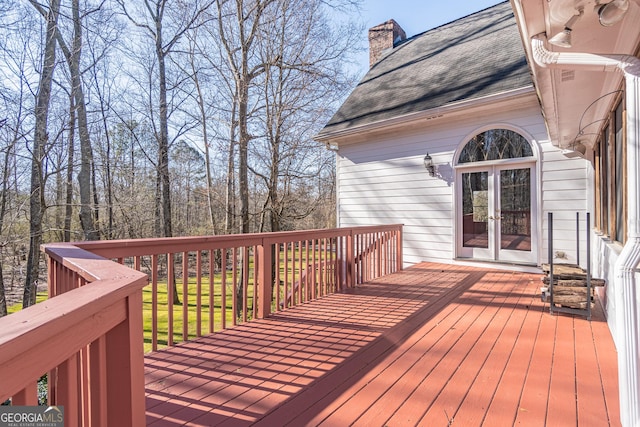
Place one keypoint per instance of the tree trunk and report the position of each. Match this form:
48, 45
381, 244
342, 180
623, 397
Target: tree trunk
158, 204
68, 206
96, 200
3, 298
36, 199
163, 140
163, 146
109, 177
3, 207
86, 154
243, 149
205, 141
231, 196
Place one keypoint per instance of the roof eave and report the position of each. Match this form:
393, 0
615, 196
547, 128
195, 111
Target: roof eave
332, 137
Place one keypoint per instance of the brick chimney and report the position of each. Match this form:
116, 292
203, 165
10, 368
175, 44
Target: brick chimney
383, 37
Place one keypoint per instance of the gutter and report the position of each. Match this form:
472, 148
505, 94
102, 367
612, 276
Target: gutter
626, 297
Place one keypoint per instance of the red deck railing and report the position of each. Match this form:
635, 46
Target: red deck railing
89, 339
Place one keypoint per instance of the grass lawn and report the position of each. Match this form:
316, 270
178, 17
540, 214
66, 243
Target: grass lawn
192, 310
210, 317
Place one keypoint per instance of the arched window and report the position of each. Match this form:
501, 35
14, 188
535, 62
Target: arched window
495, 144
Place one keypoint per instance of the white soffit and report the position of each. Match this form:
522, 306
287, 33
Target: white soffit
575, 102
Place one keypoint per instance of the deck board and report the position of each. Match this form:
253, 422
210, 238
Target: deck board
431, 345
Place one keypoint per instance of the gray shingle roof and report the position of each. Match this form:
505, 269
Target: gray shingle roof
475, 56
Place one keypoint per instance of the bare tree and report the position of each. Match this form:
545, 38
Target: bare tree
64, 186
299, 91
152, 20
36, 203
196, 70
239, 23
4, 192
73, 56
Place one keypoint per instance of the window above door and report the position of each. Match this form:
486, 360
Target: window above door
495, 144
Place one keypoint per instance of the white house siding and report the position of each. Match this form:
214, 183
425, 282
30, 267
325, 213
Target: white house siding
382, 179
605, 255
564, 192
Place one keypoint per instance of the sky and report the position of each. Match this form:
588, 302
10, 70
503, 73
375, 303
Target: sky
416, 16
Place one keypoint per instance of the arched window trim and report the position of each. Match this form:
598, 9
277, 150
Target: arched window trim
528, 138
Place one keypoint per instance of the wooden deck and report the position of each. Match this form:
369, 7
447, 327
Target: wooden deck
433, 345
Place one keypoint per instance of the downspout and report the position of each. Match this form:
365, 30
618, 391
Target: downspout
626, 267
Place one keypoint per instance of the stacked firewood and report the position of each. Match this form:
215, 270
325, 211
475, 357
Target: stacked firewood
569, 286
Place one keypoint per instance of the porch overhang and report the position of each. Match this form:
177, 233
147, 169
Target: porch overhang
576, 102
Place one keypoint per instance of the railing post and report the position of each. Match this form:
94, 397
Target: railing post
399, 258
125, 368
350, 262
265, 269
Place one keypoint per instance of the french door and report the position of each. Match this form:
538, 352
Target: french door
496, 218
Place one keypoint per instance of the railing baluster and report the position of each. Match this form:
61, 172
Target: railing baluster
28, 396
294, 290
287, 301
199, 293
367, 276
371, 265
360, 258
245, 283
314, 269
154, 302
223, 290
212, 267
378, 237
334, 263
257, 259
306, 266
339, 261
185, 296
85, 393
300, 273
234, 293
67, 389
278, 264
322, 266
170, 279
97, 354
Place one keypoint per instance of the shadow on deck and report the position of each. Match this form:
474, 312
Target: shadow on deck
431, 345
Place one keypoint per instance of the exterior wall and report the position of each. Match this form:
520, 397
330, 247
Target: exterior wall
603, 259
564, 192
382, 179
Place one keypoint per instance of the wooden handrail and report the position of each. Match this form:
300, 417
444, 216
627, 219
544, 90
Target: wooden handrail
88, 335
98, 327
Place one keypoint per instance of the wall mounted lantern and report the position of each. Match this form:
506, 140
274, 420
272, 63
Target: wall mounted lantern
428, 165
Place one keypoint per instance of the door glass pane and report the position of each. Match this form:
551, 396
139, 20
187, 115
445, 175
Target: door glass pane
475, 209
515, 209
